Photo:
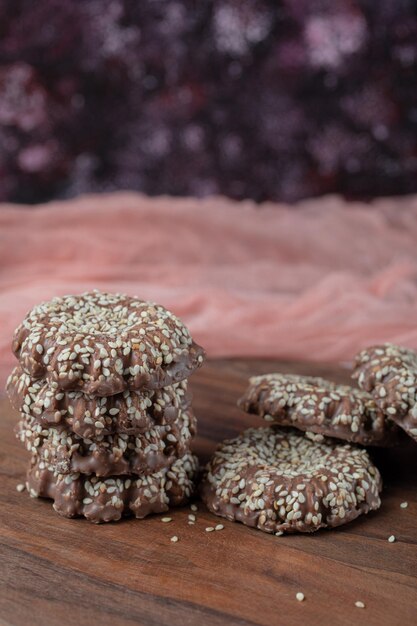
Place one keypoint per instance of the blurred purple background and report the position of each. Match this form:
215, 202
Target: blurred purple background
248, 98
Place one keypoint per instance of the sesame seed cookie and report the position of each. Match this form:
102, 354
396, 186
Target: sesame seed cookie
106, 455
320, 407
130, 412
389, 373
110, 499
278, 480
104, 343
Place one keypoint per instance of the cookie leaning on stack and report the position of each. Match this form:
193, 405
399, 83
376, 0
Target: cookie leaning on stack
102, 393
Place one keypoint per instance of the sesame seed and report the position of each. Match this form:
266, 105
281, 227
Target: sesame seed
285, 396
174, 539
300, 596
191, 517
20, 487
404, 505
219, 527
209, 529
283, 462
165, 520
392, 538
77, 323
194, 507
359, 604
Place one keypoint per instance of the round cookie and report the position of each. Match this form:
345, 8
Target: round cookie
130, 412
107, 455
105, 343
110, 499
389, 373
279, 481
319, 407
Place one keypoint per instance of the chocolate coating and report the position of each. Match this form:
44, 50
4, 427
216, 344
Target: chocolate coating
148, 452
110, 499
130, 412
105, 343
278, 480
389, 373
320, 407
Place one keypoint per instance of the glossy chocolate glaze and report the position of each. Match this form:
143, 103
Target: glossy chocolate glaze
279, 481
105, 343
389, 373
110, 499
130, 412
108, 455
320, 407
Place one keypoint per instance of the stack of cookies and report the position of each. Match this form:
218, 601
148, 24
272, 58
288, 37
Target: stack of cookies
101, 387
309, 469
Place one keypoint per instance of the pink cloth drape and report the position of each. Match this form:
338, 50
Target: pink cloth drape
316, 282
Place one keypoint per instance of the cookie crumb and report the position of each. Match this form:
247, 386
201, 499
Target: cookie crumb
404, 505
359, 604
300, 596
174, 539
392, 538
20, 487
165, 520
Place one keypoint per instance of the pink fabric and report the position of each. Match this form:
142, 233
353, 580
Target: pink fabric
314, 282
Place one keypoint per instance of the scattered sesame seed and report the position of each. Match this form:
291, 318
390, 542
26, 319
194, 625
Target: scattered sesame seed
166, 519
20, 487
174, 539
209, 529
359, 604
300, 596
191, 517
404, 505
219, 527
391, 538
194, 507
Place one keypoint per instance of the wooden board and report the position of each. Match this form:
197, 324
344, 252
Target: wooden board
70, 572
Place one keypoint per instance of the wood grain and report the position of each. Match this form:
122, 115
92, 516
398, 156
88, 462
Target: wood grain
70, 572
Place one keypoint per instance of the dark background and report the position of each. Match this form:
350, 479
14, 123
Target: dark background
248, 98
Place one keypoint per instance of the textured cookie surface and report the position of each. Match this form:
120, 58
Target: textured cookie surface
105, 343
130, 412
389, 373
109, 499
320, 407
279, 481
65, 452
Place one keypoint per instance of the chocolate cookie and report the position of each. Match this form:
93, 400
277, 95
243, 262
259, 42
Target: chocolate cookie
130, 412
389, 373
108, 499
105, 343
320, 407
146, 453
278, 480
